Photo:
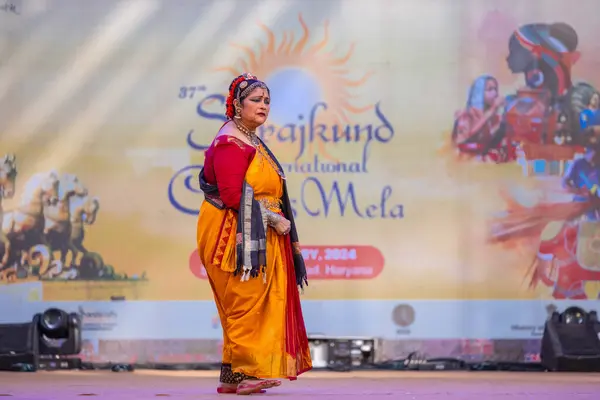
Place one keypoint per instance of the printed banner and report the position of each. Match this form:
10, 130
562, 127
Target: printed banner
435, 151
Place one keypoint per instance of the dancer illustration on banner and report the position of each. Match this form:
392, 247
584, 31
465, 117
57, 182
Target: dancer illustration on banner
589, 117
541, 117
557, 127
479, 131
540, 121
567, 261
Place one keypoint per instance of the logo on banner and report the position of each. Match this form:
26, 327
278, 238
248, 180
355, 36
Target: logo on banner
403, 316
97, 320
534, 329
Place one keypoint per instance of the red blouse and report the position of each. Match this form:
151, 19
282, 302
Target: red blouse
225, 164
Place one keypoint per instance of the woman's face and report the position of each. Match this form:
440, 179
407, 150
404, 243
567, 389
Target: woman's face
519, 58
255, 108
491, 92
595, 101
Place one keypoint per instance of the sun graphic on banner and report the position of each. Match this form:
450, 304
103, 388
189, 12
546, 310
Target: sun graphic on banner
302, 75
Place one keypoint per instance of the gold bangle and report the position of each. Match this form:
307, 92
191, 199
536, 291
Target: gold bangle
270, 218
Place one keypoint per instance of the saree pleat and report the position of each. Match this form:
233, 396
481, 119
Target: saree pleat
263, 328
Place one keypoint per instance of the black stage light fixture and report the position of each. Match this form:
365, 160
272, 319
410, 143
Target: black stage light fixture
571, 341
59, 338
59, 331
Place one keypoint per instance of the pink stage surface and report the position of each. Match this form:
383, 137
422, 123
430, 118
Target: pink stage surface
65, 385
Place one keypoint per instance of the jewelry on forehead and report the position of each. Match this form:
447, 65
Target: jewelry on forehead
245, 92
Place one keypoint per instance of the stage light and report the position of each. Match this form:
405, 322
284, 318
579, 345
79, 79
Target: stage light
571, 341
574, 315
59, 332
54, 323
47, 342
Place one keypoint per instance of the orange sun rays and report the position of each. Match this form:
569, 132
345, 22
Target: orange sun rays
326, 67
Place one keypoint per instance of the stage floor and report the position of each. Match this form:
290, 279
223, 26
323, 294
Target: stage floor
65, 385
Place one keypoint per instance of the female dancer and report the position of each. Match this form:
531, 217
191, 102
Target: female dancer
248, 243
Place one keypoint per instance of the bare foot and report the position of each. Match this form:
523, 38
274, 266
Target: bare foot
230, 388
256, 386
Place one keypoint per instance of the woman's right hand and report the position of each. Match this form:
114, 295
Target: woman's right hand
499, 102
283, 226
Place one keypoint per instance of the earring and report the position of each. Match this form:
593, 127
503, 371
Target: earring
238, 111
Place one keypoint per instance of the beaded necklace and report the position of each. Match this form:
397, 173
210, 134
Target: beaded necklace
257, 145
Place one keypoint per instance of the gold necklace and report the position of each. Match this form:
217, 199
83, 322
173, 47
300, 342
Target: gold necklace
248, 133
256, 143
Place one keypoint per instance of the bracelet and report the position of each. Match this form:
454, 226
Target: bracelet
270, 217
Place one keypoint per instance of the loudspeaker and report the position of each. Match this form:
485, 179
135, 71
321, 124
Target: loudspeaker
18, 347
571, 341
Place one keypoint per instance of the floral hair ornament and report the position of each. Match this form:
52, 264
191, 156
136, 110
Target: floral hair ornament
229, 108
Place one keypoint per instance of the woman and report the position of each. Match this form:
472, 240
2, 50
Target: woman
478, 130
545, 55
248, 244
589, 118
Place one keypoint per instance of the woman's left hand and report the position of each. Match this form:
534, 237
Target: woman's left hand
283, 226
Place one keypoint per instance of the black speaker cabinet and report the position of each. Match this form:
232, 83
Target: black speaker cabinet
568, 346
18, 347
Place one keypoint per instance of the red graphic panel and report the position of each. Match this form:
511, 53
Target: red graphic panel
326, 262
